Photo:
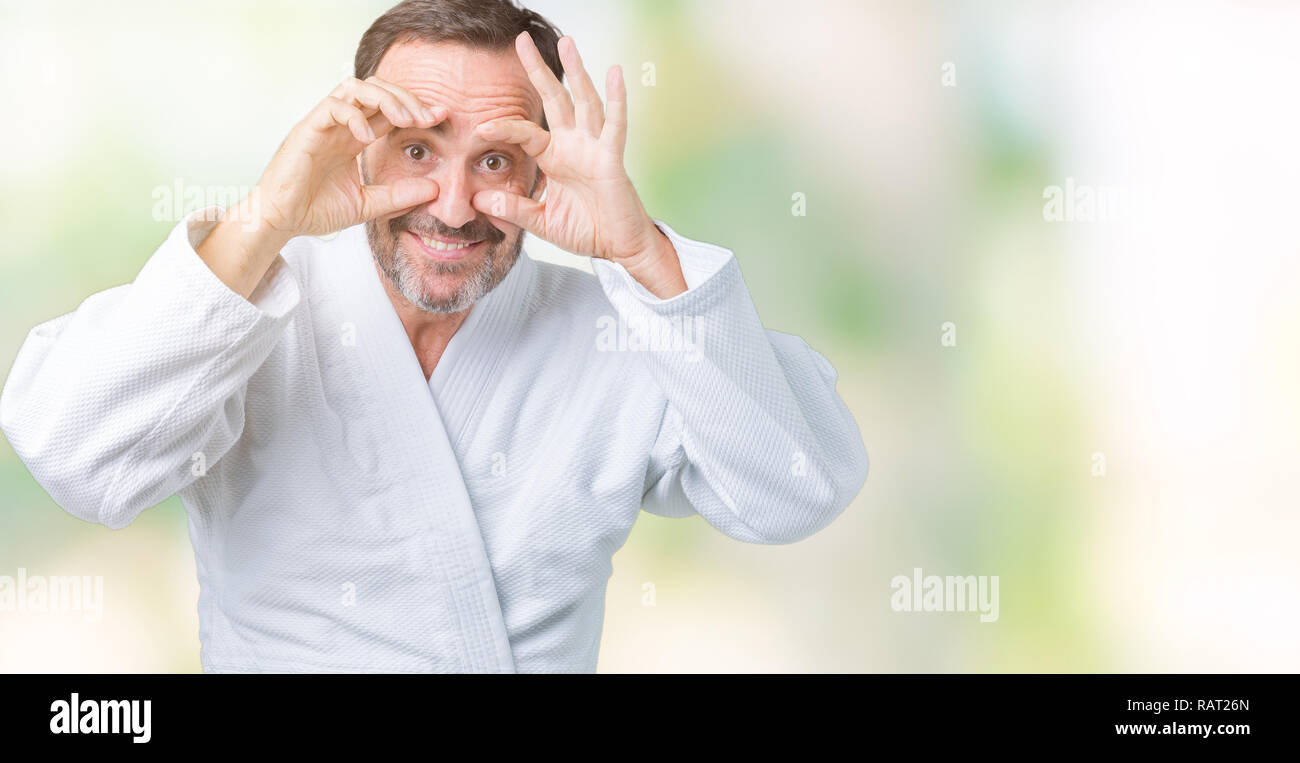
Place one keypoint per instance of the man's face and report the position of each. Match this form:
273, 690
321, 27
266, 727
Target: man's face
423, 252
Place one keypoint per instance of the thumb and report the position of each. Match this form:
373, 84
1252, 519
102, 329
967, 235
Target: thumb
513, 208
379, 200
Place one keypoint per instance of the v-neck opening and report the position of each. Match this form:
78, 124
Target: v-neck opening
465, 372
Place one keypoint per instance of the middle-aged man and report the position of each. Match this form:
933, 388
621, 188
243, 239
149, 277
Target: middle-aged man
409, 448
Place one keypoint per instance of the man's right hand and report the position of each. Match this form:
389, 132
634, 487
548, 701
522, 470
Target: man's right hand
313, 185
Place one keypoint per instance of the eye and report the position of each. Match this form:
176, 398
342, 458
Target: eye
495, 163
416, 153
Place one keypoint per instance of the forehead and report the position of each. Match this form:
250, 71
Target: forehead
475, 84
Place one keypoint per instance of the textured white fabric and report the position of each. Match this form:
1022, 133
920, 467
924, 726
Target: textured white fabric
347, 515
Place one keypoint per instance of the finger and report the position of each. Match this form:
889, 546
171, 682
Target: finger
379, 124
512, 208
524, 133
380, 200
615, 130
332, 113
373, 99
590, 113
555, 99
432, 113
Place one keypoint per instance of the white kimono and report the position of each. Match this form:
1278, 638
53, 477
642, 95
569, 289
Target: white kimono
346, 515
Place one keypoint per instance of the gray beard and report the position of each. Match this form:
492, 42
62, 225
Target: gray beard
407, 277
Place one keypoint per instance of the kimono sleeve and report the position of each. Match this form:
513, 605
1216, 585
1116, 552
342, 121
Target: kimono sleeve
754, 437
110, 406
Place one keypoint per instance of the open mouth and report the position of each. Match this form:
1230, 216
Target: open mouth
443, 249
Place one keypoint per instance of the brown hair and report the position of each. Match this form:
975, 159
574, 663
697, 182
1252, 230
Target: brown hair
491, 24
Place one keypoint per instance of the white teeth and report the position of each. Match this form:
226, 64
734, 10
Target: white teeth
441, 247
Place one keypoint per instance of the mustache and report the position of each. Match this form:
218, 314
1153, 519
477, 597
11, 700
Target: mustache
427, 225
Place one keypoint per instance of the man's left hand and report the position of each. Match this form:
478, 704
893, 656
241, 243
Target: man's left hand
591, 207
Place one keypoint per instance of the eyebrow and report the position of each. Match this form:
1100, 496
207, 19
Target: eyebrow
441, 128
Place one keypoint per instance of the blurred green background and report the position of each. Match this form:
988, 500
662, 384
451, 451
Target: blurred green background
926, 139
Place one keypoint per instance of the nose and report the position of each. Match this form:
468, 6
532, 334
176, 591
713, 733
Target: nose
455, 191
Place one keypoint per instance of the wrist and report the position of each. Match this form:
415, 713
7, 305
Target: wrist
242, 245
655, 265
